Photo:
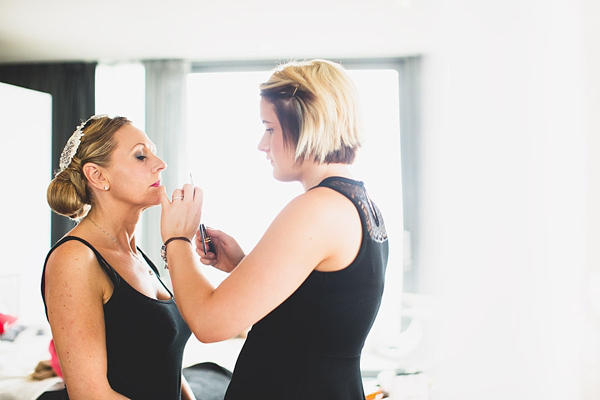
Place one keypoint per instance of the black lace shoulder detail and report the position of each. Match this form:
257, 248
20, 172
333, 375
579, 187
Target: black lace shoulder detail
356, 192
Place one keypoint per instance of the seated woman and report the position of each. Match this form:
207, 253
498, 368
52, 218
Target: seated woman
116, 327
312, 286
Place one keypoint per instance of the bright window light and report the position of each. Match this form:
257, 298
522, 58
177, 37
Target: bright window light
120, 90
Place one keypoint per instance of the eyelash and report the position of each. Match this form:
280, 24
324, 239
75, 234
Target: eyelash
141, 157
270, 130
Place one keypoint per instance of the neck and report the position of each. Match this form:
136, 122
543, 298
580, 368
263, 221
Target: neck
117, 227
313, 173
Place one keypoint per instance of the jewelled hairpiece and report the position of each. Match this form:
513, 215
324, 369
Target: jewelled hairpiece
73, 143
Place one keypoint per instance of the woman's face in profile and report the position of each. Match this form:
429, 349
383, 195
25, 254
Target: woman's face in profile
135, 171
271, 143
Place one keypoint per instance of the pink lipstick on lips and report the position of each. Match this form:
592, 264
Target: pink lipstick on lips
156, 184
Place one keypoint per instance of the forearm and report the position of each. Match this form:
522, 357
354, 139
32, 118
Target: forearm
192, 290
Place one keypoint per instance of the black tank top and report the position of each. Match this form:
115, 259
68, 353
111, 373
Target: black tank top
145, 337
309, 347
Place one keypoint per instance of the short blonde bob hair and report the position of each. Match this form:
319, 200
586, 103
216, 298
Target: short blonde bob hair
316, 103
68, 193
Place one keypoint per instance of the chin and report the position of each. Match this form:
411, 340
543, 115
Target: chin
153, 201
284, 177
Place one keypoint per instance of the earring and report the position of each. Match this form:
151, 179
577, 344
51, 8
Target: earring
106, 187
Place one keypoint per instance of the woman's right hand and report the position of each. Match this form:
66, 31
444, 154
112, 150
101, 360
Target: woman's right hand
181, 216
229, 253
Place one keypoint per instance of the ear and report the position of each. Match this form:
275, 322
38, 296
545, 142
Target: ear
95, 176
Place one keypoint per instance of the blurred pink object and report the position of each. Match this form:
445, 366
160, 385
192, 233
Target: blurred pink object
55, 362
5, 321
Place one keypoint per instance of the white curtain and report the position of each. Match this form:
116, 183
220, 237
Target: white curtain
166, 127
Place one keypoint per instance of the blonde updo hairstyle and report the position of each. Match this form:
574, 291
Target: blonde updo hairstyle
316, 104
68, 193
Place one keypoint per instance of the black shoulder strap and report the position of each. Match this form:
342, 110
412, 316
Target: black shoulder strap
149, 261
155, 269
112, 274
355, 191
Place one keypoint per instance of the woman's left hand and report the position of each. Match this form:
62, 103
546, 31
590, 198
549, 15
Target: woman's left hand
181, 215
228, 254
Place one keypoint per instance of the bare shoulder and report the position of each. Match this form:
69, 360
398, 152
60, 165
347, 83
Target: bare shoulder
322, 204
320, 215
333, 223
73, 265
70, 255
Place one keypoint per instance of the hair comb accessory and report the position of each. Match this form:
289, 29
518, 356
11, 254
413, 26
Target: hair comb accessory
73, 143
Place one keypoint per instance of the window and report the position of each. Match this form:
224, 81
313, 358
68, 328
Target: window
120, 91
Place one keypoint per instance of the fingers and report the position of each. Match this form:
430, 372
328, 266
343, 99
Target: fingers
214, 233
198, 194
164, 198
208, 258
188, 193
181, 212
177, 195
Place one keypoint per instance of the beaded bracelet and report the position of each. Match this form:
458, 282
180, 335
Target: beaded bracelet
163, 249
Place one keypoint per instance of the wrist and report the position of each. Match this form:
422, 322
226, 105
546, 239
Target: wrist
163, 249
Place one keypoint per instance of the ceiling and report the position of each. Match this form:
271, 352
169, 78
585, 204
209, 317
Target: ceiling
201, 30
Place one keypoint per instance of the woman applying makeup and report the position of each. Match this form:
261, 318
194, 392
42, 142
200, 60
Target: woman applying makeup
312, 286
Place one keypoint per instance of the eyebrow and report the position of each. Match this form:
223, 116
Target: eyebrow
152, 148
264, 121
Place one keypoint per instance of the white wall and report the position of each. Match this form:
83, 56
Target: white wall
508, 197
591, 342
25, 126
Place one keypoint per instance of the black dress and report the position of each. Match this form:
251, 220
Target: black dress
145, 338
309, 347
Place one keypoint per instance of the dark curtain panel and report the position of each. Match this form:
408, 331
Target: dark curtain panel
72, 86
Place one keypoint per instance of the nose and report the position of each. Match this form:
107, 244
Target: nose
160, 164
263, 145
